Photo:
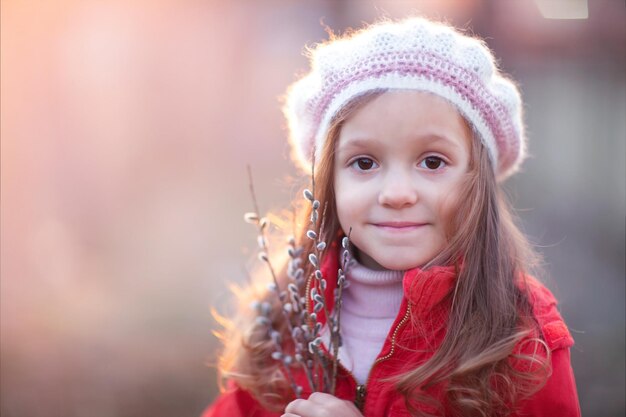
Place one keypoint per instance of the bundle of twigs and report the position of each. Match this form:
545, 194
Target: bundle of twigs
303, 326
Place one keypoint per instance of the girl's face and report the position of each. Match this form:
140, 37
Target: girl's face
400, 162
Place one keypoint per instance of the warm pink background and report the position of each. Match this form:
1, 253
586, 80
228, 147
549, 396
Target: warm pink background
126, 130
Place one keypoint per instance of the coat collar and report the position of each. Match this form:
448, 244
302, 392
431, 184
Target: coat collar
424, 289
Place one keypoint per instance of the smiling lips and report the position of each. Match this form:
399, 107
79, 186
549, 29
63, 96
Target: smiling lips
399, 226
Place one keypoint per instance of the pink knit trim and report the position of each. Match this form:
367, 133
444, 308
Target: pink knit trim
427, 65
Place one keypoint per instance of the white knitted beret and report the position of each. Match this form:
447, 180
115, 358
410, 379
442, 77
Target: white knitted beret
413, 54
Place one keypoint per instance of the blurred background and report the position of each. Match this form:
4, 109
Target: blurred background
126, 131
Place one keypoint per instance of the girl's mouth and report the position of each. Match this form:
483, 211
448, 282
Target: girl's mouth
399, 226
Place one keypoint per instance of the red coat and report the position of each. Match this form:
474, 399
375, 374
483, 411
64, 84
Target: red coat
425, 298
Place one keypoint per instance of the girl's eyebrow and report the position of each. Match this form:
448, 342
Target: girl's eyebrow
360, 143
444, 139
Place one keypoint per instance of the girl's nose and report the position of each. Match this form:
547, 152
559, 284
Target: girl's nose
398, 191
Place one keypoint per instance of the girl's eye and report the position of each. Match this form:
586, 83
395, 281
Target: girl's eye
432, 163
364, 164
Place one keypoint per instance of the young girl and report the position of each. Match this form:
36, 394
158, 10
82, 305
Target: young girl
411, 129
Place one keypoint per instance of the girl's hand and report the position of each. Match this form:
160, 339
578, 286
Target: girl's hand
321, 405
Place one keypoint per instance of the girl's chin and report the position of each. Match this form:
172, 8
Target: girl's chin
393, 264
393, 260
401, 266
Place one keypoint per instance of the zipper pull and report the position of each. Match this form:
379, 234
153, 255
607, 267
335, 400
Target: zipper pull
360, 397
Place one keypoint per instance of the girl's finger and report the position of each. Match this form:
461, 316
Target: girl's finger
296, 407
330, 402
322, 405
305, 408
322, 398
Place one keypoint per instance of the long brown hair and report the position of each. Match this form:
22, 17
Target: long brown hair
490, 313
482, 372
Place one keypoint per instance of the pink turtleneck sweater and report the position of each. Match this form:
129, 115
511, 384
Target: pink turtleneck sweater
370, 305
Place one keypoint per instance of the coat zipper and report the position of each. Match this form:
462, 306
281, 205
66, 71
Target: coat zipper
361, 389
